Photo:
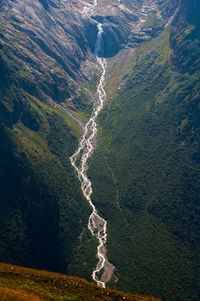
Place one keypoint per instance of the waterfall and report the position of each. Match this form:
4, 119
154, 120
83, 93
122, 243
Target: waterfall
99, 41
96, 224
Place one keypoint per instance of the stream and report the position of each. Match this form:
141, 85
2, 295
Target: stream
96, 224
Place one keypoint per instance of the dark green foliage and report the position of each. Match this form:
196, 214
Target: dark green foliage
146, 175
185, 38
81, 103
41, 204
146, 170
43, 211
60, 140
84, 255
30, 118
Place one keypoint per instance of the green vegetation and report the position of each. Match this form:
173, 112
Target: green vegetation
146, 171
18, 283
92, 83
154, 23
82, 106
82, 103
43, 212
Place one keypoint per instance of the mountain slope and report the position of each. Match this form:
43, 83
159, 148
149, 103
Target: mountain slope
43, 213
145, 171
146, 168
17, 283
41, 199
42, 206
47, 44
46, 58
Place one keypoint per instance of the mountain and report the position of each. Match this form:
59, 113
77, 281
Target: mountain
18, 283
43, 211
145, 169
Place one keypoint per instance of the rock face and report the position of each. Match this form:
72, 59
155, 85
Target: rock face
125, 22
47, 46
53, 41
48, 39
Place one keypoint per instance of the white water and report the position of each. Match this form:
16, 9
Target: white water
171, 19
96, 224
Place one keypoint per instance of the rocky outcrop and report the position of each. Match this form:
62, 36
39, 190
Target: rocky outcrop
48, 41
52, 42
128, 23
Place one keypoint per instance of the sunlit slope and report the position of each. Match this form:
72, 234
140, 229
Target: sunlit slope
18, 283
146, 168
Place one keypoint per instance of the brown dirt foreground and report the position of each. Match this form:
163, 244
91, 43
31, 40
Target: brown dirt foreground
24, 284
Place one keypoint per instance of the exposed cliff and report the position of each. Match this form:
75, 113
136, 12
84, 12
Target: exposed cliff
47, 41
128, 23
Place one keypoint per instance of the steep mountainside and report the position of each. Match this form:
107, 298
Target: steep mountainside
43, 212
48, 42
46, 58
145, 171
